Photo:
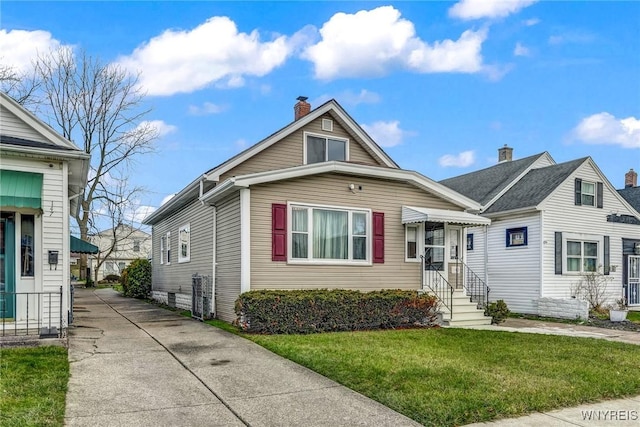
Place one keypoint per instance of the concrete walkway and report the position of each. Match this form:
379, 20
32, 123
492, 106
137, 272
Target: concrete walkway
134, 364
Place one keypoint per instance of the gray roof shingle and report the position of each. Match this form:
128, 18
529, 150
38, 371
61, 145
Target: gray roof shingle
632, 196
535, 186
485, 184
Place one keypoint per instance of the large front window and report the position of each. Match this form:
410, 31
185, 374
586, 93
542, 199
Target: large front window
582, 256
329, 234
321, 149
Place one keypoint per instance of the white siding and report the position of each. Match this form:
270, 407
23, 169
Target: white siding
475, 258
51, 230
588, 222
11, 125
514, 272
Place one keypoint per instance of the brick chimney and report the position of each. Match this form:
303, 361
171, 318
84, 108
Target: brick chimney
302, 107
505, 154
630, 179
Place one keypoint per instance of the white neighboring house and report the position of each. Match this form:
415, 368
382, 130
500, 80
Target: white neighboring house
130, 244
41, 176
550, 224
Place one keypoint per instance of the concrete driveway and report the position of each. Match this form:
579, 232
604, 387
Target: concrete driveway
133, 363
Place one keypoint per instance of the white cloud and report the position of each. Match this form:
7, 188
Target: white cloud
206, 109
363, 97
385, 134
162, 128
183, 61
578, 37
604, 128
521, 50
463, 55
19, 48
462, 160
477, 9
139, 213
240, 144
531, 22
372, 43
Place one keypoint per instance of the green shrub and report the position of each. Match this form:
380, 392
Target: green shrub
498, 311
322, 310
136, 279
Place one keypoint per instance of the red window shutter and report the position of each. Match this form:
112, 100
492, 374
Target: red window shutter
278, 232
378, 237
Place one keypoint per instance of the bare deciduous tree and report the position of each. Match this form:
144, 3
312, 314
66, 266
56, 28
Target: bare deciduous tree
19, 85
100, 107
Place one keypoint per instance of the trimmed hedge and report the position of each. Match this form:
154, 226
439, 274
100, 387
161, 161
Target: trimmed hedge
322, 310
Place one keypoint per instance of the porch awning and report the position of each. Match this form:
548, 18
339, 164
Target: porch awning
411, 214
79, 246
20, 189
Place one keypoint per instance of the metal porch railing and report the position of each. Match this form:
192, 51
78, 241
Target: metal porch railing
32, 313
438, 285
475, 288
632, 293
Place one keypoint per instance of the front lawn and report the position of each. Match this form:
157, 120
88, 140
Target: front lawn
456, 376
33, 386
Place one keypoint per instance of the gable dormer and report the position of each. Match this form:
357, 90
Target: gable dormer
326, 133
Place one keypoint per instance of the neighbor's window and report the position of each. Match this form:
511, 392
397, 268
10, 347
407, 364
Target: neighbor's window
136, 246
588, 193
163, 244
184, 239
412, 241
434, 246
470, 241
517, 237
582, 257
325, 234
27, 240
168, 247
321, 149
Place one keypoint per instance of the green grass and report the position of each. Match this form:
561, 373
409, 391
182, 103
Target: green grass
634, 316
33, 386
455, 376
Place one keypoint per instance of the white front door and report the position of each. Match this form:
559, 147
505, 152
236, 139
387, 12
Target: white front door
455, 273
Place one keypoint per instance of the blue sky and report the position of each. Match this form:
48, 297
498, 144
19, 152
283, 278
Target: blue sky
439, 85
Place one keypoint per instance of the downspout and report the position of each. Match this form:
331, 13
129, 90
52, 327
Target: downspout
486, 255
214, 263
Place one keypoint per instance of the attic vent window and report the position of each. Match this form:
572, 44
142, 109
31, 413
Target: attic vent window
327, 125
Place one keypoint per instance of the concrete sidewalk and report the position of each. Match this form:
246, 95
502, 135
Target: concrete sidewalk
136, 364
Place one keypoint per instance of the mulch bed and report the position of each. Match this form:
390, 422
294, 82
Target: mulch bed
625, 325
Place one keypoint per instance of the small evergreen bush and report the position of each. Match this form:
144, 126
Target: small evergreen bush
498, 311
322, 310
136, 279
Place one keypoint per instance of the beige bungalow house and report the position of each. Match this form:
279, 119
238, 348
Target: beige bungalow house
41, 175
317, 204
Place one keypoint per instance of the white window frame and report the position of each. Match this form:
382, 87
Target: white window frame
582, 238
168, 248
327, 137
583, 193
184, 230
327, 125
323, 261
163, 240
419, 241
